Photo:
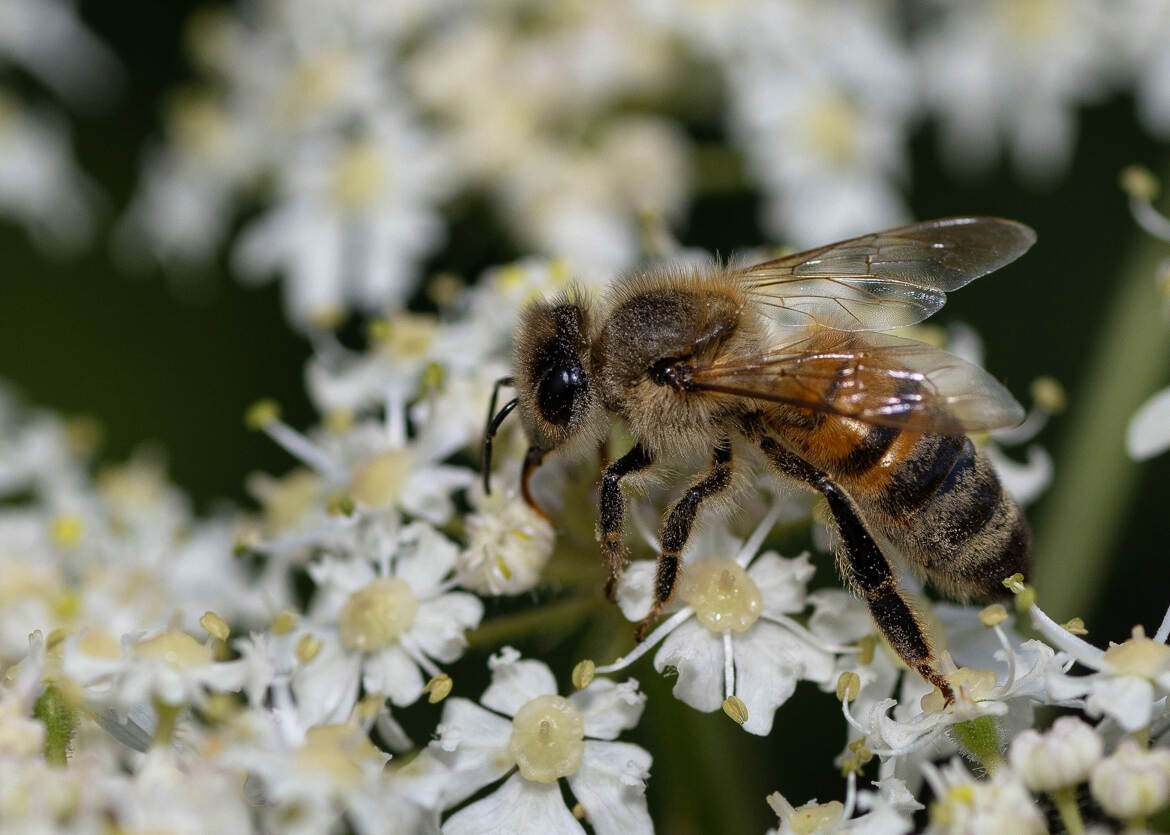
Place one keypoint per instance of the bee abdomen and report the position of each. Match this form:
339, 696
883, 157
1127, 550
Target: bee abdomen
945, 509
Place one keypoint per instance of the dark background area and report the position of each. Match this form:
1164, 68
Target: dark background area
79, 336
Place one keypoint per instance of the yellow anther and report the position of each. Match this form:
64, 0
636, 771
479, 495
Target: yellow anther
378, 330
735, 709
861, 750
215, 626
502, 566
339, 421
438, 688
261, 413
865, 649
848, 686
284, 622
1026, 599
369, 707
67, 530
433, 375
340, 504
579, 812
1015, 583
1139, 182
307, 647
993, 615
583, 673
1049, 394
1076, 626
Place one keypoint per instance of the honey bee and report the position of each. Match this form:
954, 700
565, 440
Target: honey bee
787, 357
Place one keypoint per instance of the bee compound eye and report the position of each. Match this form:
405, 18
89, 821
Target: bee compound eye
557, 391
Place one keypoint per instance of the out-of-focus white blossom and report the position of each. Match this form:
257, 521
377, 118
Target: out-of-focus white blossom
965, 806
1148, 433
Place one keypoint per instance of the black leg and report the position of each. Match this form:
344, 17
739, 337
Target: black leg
613, 509
677, 530
866, 570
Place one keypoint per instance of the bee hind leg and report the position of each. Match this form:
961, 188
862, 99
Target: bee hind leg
677, 530
612, 513
865, 568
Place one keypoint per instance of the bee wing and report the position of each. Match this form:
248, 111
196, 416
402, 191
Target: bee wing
888, 279
878, 379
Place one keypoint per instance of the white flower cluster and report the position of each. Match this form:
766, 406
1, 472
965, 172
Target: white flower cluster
41, 186
357, 123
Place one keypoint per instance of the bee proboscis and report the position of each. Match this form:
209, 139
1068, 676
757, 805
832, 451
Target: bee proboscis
788, 358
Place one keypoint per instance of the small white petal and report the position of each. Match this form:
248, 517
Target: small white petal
515, 682
326, 689
518, 807
838, 617
697, 654
392, 672
610, 786
1148, 433
636, 589
425, 560
439, 624
609, 708
768, 662
472, 744
782, 582
1024, 482
1128, 699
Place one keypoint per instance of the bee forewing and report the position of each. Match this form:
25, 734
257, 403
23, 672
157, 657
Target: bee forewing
887, 279
877, 379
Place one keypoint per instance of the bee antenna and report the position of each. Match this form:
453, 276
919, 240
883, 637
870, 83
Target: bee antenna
494, 419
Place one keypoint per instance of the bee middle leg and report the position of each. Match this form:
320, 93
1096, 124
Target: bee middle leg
613, 511
677, 530
864, 567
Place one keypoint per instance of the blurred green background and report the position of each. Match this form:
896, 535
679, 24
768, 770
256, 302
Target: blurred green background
80, 336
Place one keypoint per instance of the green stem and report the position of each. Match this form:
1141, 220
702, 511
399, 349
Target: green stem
1095, 478
60, 722
565, 614
1070, 814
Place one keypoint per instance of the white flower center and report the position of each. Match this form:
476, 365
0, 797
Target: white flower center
337, 753
548, 738
1139, 656
175, 648
376, 615
723, 596
378, 481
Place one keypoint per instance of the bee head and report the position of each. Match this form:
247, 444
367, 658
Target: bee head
551, 367
551, 359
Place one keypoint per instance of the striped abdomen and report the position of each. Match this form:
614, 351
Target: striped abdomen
935, 498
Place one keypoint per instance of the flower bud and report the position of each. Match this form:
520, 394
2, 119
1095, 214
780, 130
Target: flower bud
1061, 757
1132, 782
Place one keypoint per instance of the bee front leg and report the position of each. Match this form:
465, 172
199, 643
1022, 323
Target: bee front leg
613, 509
677, 530
865, 568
